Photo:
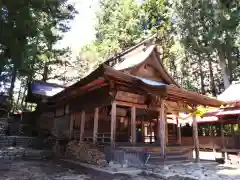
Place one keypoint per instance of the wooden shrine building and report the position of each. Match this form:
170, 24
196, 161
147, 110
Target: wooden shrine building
127, 101
226, 120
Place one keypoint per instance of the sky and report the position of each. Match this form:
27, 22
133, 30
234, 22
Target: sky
82, 27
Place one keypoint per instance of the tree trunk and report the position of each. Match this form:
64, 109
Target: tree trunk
24, 93
224, 69
173, 68
13, 79
30, 77
45, 73
19, 94
230, 68
212, 82
201, 75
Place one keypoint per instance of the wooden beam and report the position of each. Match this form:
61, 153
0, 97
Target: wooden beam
83, 117
130, 97
95, 126
162, 129
71, 127
195, 137
113, 124
128, 104
133, 125
139, 106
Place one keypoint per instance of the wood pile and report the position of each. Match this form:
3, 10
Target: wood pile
85, 152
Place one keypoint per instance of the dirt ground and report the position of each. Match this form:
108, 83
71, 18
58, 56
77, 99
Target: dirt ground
48, 170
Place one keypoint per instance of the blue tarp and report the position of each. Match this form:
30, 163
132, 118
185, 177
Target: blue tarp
45, 89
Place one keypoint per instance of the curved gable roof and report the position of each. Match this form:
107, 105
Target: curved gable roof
141, 56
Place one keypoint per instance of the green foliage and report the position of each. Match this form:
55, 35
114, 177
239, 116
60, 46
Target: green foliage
209, 31
119, 26
122, 24
29, 30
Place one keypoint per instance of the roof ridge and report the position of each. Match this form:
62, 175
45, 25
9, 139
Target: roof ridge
119, 55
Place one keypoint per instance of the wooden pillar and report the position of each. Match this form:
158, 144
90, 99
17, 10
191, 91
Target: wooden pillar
83, 117
222, 137
113, 124
232, 129
150, 129
195, 137
233, 136
223, 144
95, 126
71, 127
179, 133
233, 132
166, 128
162, 129
133, 125
142, 131
212, 138
238, 122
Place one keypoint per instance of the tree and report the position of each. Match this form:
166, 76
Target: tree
29, 29
122, 24
209, 28
199, 40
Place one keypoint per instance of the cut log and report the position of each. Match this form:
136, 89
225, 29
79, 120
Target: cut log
85, 153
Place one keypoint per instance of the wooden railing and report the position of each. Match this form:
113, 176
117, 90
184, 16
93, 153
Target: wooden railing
102, 138
208, 142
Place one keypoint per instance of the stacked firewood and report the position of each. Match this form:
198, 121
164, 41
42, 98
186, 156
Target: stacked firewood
85, 152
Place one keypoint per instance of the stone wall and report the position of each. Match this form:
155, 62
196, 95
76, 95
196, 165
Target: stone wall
21, 141
14, 153
3, 128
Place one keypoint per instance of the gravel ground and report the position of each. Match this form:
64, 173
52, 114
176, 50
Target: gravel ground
47, 170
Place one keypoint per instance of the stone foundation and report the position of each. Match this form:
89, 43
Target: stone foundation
3, 128
12, 153
19, 153
19, 141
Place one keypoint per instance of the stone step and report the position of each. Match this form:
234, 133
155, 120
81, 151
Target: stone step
176, 158
170, 156
167, 159
175, 153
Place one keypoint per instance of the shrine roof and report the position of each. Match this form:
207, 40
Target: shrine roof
126, 68
231, 94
